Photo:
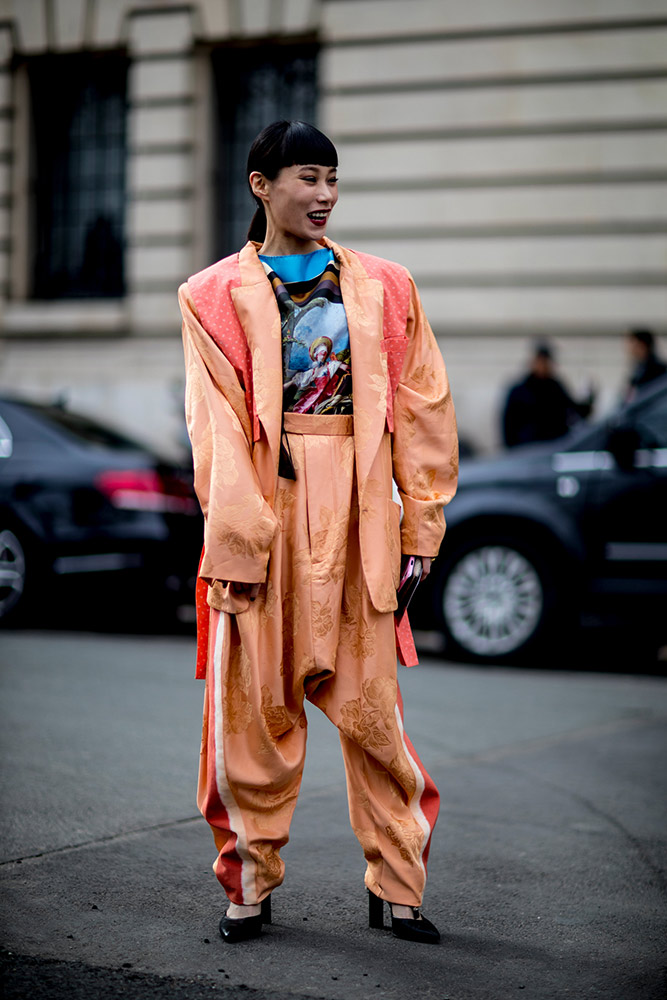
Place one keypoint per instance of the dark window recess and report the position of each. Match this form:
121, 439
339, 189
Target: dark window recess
79, 113
255, 86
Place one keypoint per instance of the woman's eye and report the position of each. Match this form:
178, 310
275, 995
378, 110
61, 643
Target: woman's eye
333, 180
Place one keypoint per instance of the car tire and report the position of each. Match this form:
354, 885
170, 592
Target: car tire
13, 567
496, 599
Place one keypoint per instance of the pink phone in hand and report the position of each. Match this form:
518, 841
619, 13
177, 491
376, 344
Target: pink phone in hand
410, 578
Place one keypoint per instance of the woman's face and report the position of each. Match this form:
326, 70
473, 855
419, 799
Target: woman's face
321, 354
299, 200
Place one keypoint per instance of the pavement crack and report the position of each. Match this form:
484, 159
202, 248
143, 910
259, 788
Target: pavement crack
634, 842
109, 838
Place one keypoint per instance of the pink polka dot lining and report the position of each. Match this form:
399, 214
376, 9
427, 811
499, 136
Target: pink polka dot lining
396, 283
211, 293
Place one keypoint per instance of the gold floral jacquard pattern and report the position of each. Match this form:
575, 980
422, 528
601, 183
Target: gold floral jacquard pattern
270, 859
239, 709
400, 767
227, 468
379, 384
322, 619
244, 527
239, 667
331, 535
398, 843
369, 843
355, 631
291, 618
276, 717
269, 605
368, 719
284, 502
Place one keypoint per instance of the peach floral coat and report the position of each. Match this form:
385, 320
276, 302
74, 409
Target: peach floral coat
404, 423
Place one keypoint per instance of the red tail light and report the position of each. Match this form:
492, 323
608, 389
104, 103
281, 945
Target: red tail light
145, 489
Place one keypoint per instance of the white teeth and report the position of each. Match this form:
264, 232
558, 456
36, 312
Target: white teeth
317, 215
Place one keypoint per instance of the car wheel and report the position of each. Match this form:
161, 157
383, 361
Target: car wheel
12, 574
496, 599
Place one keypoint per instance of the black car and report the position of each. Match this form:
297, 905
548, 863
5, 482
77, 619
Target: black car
80, 502
552, 535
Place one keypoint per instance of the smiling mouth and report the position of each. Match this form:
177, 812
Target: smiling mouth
318, 217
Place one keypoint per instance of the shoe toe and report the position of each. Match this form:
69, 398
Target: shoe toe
232, 931
422, 931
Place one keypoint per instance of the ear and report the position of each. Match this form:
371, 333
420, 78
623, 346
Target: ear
259, 185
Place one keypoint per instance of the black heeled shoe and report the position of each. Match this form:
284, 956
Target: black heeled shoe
245, 928
416, 929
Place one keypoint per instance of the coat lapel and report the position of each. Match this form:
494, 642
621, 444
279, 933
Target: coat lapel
363, 300
258, 313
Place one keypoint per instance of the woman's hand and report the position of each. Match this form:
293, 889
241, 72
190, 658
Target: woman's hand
426, 564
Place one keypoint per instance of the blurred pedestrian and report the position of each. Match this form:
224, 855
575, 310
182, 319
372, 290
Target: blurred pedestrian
647, 366
313, 379
539, 407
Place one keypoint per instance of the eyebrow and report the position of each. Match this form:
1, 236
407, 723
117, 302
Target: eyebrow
314, 166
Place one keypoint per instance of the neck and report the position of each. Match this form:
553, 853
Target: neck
281, 244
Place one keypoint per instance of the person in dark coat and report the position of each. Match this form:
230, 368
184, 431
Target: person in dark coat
539, 407
647, 365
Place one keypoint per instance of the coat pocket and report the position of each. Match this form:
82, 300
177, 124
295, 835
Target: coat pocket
221, 597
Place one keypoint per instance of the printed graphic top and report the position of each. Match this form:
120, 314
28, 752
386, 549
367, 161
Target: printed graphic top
316, 342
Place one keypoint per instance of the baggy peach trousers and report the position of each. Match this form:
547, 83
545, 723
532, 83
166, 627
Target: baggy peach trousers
313, 633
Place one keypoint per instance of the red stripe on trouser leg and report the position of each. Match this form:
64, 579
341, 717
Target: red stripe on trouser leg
430, 797
203, 623
228, 866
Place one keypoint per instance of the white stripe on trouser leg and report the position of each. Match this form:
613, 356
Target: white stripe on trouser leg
415, 802
236, 823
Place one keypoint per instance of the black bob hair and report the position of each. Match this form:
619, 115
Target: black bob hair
643, 336
282, 144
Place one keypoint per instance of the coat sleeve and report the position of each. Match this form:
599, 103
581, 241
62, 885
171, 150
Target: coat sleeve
425, 443
239, 525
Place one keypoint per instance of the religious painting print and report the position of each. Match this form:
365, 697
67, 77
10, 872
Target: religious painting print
316, 344
317, 366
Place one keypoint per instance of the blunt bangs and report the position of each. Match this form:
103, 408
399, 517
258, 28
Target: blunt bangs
286, 143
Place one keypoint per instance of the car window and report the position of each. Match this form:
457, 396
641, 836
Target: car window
23, 427
6, 440
30, 422
584, 437
87, 431
651, 423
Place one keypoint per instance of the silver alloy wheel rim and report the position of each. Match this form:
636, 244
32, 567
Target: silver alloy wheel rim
12, 571
492, 600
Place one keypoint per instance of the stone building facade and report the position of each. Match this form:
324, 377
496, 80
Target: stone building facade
512, 154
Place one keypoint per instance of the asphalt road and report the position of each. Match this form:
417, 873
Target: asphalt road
547, 872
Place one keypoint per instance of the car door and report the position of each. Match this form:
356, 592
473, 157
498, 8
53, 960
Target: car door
626, 522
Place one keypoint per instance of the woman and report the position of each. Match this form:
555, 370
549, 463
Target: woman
303, 542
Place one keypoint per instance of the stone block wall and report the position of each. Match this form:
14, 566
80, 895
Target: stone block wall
513, 156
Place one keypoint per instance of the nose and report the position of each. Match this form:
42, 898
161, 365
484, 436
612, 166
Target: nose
323, 192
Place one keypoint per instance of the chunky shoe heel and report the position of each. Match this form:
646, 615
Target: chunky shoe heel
415, 928
266, 909
375, 911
